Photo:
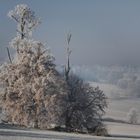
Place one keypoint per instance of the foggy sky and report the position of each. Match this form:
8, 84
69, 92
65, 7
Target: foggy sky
103, 31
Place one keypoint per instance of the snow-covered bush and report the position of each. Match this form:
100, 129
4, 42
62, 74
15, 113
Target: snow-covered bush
132, 116
34, 93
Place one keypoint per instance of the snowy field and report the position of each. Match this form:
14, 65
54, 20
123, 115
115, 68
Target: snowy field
124, 130
111, 91
118, 108
118, 104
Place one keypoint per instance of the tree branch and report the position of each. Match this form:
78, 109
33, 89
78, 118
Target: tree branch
9, 56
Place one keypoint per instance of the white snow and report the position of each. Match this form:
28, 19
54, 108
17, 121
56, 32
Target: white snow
122, 129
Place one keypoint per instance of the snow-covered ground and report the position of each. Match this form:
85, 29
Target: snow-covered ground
118, 108
121, 129
111, 91
118, 104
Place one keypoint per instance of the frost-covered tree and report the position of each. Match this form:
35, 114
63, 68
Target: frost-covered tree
33, 91
132, 116
86, 104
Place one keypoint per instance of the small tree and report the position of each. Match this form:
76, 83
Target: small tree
85, 105
132, 116
34, 93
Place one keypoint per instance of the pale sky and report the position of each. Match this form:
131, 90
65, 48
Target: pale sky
103, 31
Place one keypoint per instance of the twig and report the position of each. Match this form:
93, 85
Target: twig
9, 56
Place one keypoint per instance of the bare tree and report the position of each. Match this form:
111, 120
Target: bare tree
68, 53
85, 105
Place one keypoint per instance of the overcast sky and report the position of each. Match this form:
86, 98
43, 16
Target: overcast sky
104, 31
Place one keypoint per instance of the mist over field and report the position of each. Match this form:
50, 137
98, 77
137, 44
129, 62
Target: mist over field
115, 81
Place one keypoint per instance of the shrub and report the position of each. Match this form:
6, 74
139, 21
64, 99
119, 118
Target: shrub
85, 108
132, 116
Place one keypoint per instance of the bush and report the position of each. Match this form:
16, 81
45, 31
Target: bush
85, 107
132, 116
